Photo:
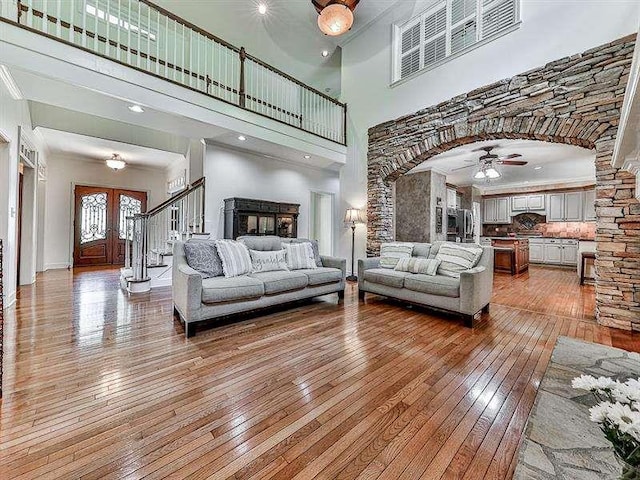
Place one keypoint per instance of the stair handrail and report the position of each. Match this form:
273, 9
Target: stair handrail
177, 197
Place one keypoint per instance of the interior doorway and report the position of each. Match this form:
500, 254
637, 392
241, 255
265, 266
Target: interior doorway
19, 214
100, 223
321, 225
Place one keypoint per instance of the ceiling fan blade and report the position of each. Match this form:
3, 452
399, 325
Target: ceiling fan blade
518, 163
462, 168
486, 149
513, 155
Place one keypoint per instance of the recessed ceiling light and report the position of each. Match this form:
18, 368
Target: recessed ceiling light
242, 138
262, 9
325, 53
136, 108
537, 168
307, 157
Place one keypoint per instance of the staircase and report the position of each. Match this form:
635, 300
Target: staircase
151, 235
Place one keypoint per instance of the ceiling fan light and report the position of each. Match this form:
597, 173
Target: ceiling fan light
480, 175
335, 19
492, 173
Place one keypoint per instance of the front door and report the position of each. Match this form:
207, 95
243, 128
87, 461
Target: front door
100, 223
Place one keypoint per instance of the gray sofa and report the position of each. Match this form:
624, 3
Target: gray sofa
196, 299
467, 296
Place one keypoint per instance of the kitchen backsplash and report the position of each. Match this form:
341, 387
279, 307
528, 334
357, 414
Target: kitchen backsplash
534, 224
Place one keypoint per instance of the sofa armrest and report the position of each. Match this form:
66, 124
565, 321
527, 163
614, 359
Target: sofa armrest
365, 264
335, 262
187, 290
476, 288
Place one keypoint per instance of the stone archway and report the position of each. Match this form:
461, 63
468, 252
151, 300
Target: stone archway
574, 100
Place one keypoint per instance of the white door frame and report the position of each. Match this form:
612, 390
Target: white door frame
332, 195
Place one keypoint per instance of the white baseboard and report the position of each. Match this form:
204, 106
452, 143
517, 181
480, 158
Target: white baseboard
9, 299
55, 266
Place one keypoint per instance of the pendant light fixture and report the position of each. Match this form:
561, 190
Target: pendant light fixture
335, 17
116, 162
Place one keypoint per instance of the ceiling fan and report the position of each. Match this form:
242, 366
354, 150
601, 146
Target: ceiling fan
487, 163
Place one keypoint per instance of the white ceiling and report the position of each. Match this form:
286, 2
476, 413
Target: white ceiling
560, 164
98, 149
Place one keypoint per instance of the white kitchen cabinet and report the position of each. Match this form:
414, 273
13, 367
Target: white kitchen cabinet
503, 210
556, 207
528, 203
565, 207
536, 252
520, 203
553, 251
589, 206
489, 210
569, 254
573, 207
536, 202
452, 200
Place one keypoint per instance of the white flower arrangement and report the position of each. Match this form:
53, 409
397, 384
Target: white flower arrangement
618, 414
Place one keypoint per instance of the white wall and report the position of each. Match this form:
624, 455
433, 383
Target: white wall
14, 114
63, 174
550, 30
234, 173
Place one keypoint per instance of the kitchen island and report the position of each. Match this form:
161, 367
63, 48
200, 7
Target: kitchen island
511, 255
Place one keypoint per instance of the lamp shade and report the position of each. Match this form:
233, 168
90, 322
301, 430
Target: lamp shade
354, 216
335, 19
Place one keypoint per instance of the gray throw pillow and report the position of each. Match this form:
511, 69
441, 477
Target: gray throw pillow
203, 257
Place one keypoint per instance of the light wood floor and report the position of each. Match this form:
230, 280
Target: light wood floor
99, 385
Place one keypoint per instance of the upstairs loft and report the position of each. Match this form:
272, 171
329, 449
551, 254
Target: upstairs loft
134, 39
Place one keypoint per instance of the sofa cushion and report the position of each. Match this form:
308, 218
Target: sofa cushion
421, 250
278, 282
300, 256
385, 276
202, 256
269, 261
456, 258
314, 246
235, 258
322, 275
263, 244
391, 252
434, 285
427, 266
223, 289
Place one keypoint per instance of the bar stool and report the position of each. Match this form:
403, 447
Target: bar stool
583, 263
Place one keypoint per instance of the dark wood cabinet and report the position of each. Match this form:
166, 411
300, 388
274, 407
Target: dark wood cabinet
511, 255
246, 216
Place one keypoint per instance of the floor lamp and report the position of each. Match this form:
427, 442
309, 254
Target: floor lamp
353, 217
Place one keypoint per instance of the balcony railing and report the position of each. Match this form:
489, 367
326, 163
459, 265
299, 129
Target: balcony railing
146, 37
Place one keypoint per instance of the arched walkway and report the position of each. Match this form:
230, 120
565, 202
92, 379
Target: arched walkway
575, 100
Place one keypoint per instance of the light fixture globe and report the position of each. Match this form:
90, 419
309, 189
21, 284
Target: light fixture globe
115, 162
335, 19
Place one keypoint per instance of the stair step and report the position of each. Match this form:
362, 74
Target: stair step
161, 265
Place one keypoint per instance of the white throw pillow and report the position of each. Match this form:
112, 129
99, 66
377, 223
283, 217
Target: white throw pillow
300, 256
268, 261
390, 253
457, 258
235, 258
425, 266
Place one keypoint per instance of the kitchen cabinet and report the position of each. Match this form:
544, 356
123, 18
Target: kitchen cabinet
536, 252
528, 203
452, 198
497, 210
511, 255
553, 251
569, 252
565, 207
589, 206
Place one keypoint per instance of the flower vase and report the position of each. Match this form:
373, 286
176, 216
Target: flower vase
629, 472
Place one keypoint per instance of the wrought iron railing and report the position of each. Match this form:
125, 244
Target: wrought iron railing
146, 37
151, 235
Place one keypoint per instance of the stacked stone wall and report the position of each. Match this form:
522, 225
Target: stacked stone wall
575, 100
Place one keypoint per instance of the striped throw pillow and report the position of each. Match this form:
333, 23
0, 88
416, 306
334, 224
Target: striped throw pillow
425, 266
300, 256
456, 258
390, 253
235, 258
270, 261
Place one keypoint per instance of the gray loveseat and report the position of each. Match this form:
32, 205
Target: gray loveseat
467, 296
196, 299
